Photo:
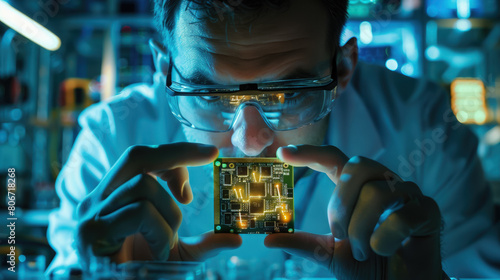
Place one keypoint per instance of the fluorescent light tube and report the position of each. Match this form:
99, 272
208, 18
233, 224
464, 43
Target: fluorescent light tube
28, 27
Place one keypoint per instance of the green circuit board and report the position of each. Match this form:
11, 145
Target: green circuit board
253, 195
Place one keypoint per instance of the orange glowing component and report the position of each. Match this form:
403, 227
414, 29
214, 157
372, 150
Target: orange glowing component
468, 101
243, 224
286, 218
281, 97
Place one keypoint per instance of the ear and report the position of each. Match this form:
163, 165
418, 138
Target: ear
160, 56
347, 61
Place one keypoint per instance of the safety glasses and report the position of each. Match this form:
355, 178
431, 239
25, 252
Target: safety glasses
283, 104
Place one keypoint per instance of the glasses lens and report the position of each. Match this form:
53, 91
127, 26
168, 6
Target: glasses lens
281, 111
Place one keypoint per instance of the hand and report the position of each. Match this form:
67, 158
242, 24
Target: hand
369, 245
130, 216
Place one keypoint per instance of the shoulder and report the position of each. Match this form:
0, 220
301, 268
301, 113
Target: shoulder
388, 84
398, 96
134, 99
134, 103
138, 115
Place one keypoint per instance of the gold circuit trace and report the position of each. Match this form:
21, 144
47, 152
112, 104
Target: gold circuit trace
253, 195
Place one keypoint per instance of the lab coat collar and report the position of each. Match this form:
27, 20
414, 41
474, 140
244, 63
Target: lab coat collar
352, 129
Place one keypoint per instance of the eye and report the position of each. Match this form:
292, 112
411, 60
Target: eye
292, 95
210, 98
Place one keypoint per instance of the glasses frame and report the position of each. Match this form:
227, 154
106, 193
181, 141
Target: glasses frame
254, 88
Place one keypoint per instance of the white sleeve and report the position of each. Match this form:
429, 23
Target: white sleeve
88, 162
453, 176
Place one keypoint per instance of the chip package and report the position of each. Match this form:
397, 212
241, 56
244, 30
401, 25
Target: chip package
253, 195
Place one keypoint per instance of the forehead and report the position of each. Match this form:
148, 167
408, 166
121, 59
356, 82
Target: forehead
275, 44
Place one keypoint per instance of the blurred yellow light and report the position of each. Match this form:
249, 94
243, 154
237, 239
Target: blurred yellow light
468, 101
28, 27
480, 117
462, 116
286, 218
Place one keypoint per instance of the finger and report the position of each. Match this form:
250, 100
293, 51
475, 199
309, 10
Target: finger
178, 182
374, 199
144, 187
144, 159
207, 245
326, 159
104, 236
319, 248
419, 217
357, 171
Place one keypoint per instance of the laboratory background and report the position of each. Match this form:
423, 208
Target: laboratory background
92, 49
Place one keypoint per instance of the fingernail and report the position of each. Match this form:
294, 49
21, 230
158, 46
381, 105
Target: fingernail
186, 191
358, 254
292, 149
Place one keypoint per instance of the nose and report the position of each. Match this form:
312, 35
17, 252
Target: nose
250, 132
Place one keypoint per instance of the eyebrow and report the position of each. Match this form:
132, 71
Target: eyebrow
198, 78
300, 74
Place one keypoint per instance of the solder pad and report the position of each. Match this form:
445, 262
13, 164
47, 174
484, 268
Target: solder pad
253, 195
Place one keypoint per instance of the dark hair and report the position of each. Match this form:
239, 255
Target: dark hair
217, 10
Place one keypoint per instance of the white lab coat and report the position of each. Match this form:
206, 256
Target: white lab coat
405, 124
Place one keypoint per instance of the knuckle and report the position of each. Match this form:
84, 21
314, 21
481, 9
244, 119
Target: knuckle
145, 183
359, 160
332, 149
431, 203
370, 192
395, 220
144, 206
413, 187
355, 163
170, 235
134, 152
177, 216
140, 185
83, 207
432, 209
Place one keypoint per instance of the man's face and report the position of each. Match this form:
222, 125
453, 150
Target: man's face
278, 44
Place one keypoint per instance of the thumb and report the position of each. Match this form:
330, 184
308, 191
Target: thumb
207, 245
316, 247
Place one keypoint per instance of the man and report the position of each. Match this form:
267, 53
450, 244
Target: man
392, 165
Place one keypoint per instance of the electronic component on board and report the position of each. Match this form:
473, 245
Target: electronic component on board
253, 195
